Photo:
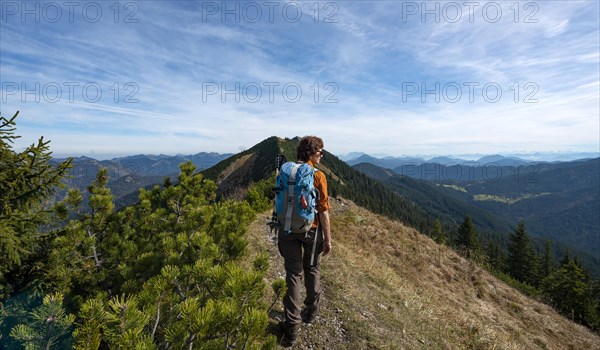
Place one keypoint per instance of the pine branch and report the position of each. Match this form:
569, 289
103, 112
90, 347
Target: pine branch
190, 341
8, 122
247, 335
157, 315
237, 327
275, 300
178, 287
96, 259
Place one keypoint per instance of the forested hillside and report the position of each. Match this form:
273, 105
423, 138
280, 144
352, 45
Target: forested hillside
439, 204
559, 201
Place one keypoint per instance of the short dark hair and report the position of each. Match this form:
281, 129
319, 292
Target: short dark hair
308, 146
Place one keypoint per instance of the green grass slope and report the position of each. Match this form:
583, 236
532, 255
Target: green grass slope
387, 286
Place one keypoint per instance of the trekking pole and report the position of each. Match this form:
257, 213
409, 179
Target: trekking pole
317, 231
314, 247
274, 223
280, 159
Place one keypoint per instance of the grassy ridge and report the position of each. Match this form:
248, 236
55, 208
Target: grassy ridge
386, 286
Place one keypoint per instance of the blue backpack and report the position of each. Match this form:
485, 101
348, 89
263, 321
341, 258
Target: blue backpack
296, 197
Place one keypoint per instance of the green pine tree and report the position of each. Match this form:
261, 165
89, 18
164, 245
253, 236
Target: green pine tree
438, 234
101, 206
522, 259
467, 240
176, 279
77, 257
593, 318
45, 326
567, 289
27, 182
164, 273
548, 262
496, 257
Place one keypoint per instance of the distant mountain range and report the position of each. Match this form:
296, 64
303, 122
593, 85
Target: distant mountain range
557, 200
500, 160
128, 174
440, 169
150, 164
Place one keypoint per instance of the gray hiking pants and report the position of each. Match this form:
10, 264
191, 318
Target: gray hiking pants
296, 249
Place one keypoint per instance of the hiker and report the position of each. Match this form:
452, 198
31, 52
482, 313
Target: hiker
297, 250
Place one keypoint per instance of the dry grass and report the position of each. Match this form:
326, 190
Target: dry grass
386, 286
234, 172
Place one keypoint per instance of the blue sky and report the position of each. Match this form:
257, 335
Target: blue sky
105, 78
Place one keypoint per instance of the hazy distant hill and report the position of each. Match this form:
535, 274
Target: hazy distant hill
500, 160
350, 156
128, 174
387, 162
394, 162
559, 201
168, 165
446, 160
435, 200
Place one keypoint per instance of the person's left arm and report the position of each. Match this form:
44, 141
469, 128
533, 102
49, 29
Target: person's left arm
323, 209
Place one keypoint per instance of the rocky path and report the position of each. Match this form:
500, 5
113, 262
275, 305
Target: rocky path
327, 332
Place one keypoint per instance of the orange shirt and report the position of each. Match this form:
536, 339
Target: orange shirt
321, 186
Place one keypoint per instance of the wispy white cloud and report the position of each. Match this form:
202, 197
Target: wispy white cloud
371, 52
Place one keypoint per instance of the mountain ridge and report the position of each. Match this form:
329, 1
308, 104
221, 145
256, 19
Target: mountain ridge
342, 180
416, 202
537, 157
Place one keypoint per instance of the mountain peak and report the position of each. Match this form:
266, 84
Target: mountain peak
252, 165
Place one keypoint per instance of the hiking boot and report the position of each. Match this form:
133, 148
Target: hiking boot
309, 316
290, 334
